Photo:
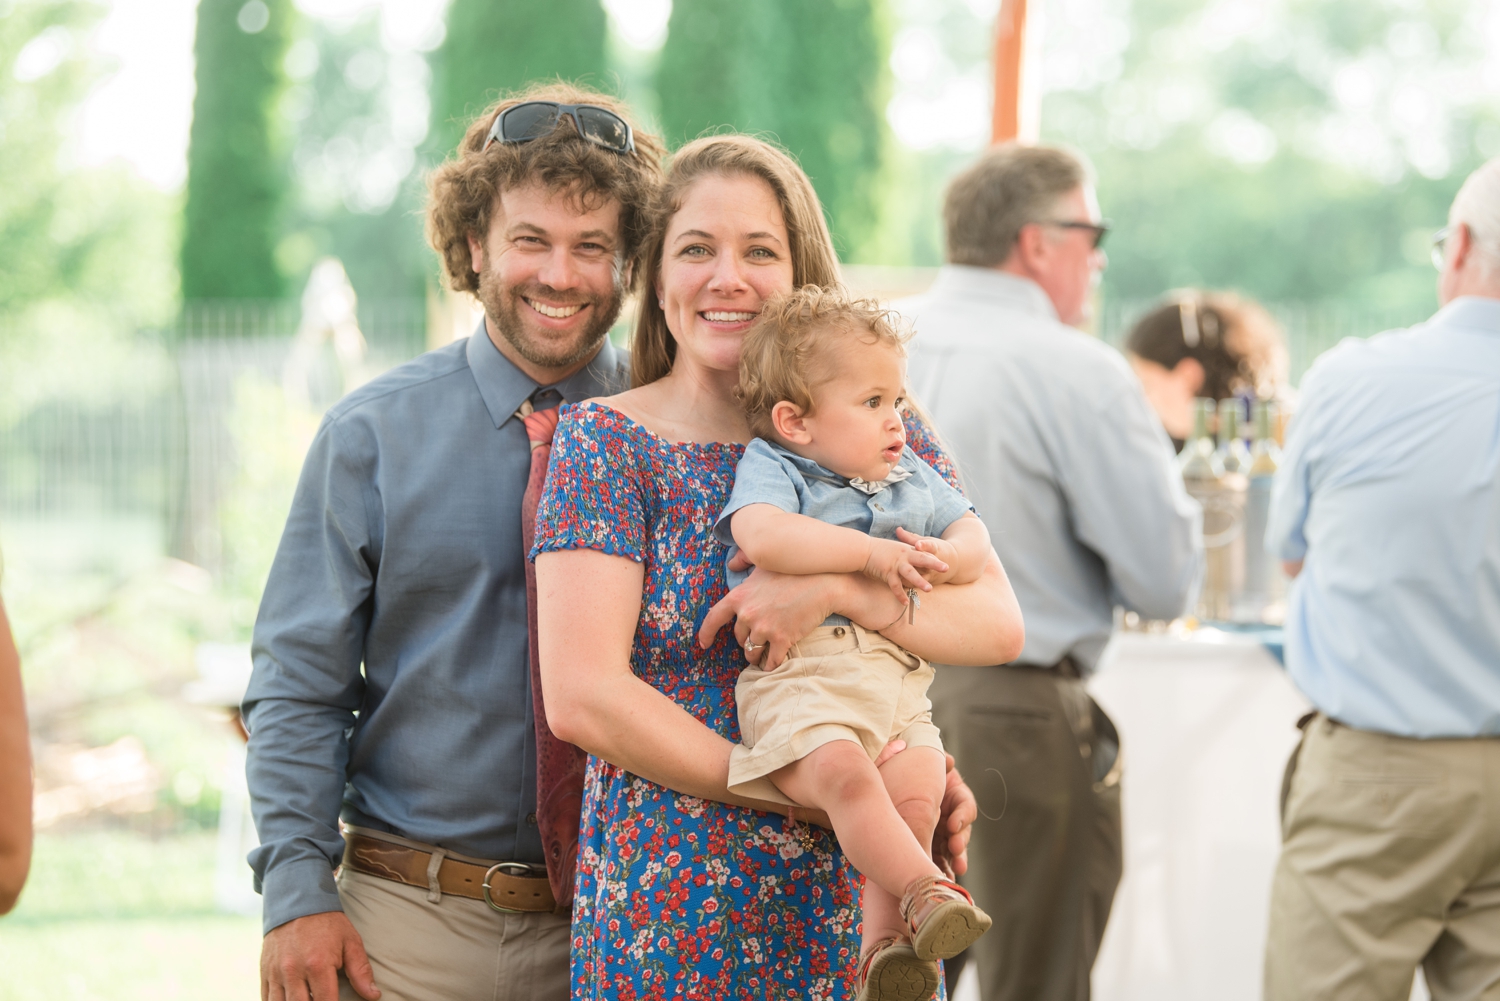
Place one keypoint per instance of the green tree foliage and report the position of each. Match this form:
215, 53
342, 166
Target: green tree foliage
237, 172
1304, 157
494, 46
90, 235
813, 74
355, 127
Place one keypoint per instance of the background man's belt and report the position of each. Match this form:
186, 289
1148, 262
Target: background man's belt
505, 886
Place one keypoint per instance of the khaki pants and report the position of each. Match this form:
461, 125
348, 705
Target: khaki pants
1045, 853
456, 949
1390, 858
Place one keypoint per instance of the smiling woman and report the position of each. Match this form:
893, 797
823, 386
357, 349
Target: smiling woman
682, 884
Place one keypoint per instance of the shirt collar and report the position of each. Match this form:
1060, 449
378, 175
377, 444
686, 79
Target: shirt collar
1474, 311
504, 387
994, 288
903, 470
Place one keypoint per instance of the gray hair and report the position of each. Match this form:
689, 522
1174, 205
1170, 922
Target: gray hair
1008, 187
1477, 206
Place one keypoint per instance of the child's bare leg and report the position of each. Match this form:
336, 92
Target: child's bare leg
841, 780
914, 780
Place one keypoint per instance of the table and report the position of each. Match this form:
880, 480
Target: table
1207, 720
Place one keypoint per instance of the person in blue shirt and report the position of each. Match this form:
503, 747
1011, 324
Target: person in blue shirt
390, 710
1387, 511
829, 486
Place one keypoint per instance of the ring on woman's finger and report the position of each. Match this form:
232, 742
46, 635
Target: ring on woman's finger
752, 647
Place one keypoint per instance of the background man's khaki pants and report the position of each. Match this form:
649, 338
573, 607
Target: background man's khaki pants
1045, 854
1390, 859
456, 949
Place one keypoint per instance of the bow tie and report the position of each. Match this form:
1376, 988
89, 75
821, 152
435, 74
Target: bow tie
897, 474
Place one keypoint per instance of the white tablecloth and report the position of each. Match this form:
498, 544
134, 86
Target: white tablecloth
1206, 723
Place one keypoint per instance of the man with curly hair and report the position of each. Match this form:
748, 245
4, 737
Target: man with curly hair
392, 680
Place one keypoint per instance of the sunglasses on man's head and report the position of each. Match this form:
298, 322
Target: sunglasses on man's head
534, 119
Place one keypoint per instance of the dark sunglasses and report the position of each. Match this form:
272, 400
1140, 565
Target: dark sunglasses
1099, 230
534, 119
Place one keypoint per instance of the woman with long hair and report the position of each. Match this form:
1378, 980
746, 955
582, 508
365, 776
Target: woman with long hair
685, 889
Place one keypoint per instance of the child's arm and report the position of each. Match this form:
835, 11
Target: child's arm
965, 546
796, 544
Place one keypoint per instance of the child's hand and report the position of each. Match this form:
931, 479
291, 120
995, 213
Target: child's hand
944, 550
902, 566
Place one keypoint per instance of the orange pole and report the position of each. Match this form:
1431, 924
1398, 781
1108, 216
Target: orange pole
1010, 44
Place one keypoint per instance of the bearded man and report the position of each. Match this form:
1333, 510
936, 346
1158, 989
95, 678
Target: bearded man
403, 554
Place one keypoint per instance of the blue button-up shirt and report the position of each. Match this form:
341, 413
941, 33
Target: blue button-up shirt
1390, 491
402, 553
920, 501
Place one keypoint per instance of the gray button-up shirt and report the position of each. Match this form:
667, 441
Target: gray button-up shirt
1061, 455
402, 554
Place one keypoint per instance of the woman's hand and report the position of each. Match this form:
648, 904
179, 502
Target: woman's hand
771, 611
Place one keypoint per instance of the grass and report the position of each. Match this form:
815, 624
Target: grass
116, 915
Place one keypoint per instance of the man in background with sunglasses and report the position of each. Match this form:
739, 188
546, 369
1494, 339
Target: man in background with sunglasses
392, 680
1070, 468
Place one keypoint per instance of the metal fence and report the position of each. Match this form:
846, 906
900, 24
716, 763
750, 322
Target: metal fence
167, 450
170, 452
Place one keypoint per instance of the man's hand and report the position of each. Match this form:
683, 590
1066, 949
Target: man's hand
945, 551
950, 842
900, 566
771, 611
301, 960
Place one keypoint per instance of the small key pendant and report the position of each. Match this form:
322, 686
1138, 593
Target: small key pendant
912, 604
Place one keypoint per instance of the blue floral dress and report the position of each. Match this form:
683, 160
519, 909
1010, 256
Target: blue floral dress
679, 897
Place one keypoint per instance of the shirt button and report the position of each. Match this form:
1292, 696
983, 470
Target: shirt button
838, 631
879, 508
531, 819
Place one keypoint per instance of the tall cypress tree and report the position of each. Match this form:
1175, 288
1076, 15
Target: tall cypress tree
494, 46
812, 73
237, 173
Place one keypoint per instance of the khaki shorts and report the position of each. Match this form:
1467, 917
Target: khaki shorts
839, 683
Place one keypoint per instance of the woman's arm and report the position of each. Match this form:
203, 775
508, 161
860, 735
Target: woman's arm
588, 604
15, 774
975, 624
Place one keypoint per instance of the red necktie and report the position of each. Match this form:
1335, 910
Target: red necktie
559, 765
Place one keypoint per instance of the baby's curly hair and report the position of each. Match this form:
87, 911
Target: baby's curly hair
787, 352
462, 192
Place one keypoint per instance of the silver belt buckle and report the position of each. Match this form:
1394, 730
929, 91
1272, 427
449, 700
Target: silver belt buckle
516, 869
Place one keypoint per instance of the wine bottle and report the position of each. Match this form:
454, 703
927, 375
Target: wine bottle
1222, 495
1199, 459
1265, 584
1232, 450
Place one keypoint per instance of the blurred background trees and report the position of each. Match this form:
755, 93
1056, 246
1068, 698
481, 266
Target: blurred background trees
812, 76
494, 46
237, 172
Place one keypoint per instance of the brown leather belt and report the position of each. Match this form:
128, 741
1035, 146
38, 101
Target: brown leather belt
499, 885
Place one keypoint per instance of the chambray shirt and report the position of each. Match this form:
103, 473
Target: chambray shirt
1389, 489
402, 553
1062, 457
923, 503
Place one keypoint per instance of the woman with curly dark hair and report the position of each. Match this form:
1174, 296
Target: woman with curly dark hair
1205, 344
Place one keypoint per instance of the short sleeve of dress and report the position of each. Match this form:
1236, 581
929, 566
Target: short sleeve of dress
923, 441
594, 497
761, 477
